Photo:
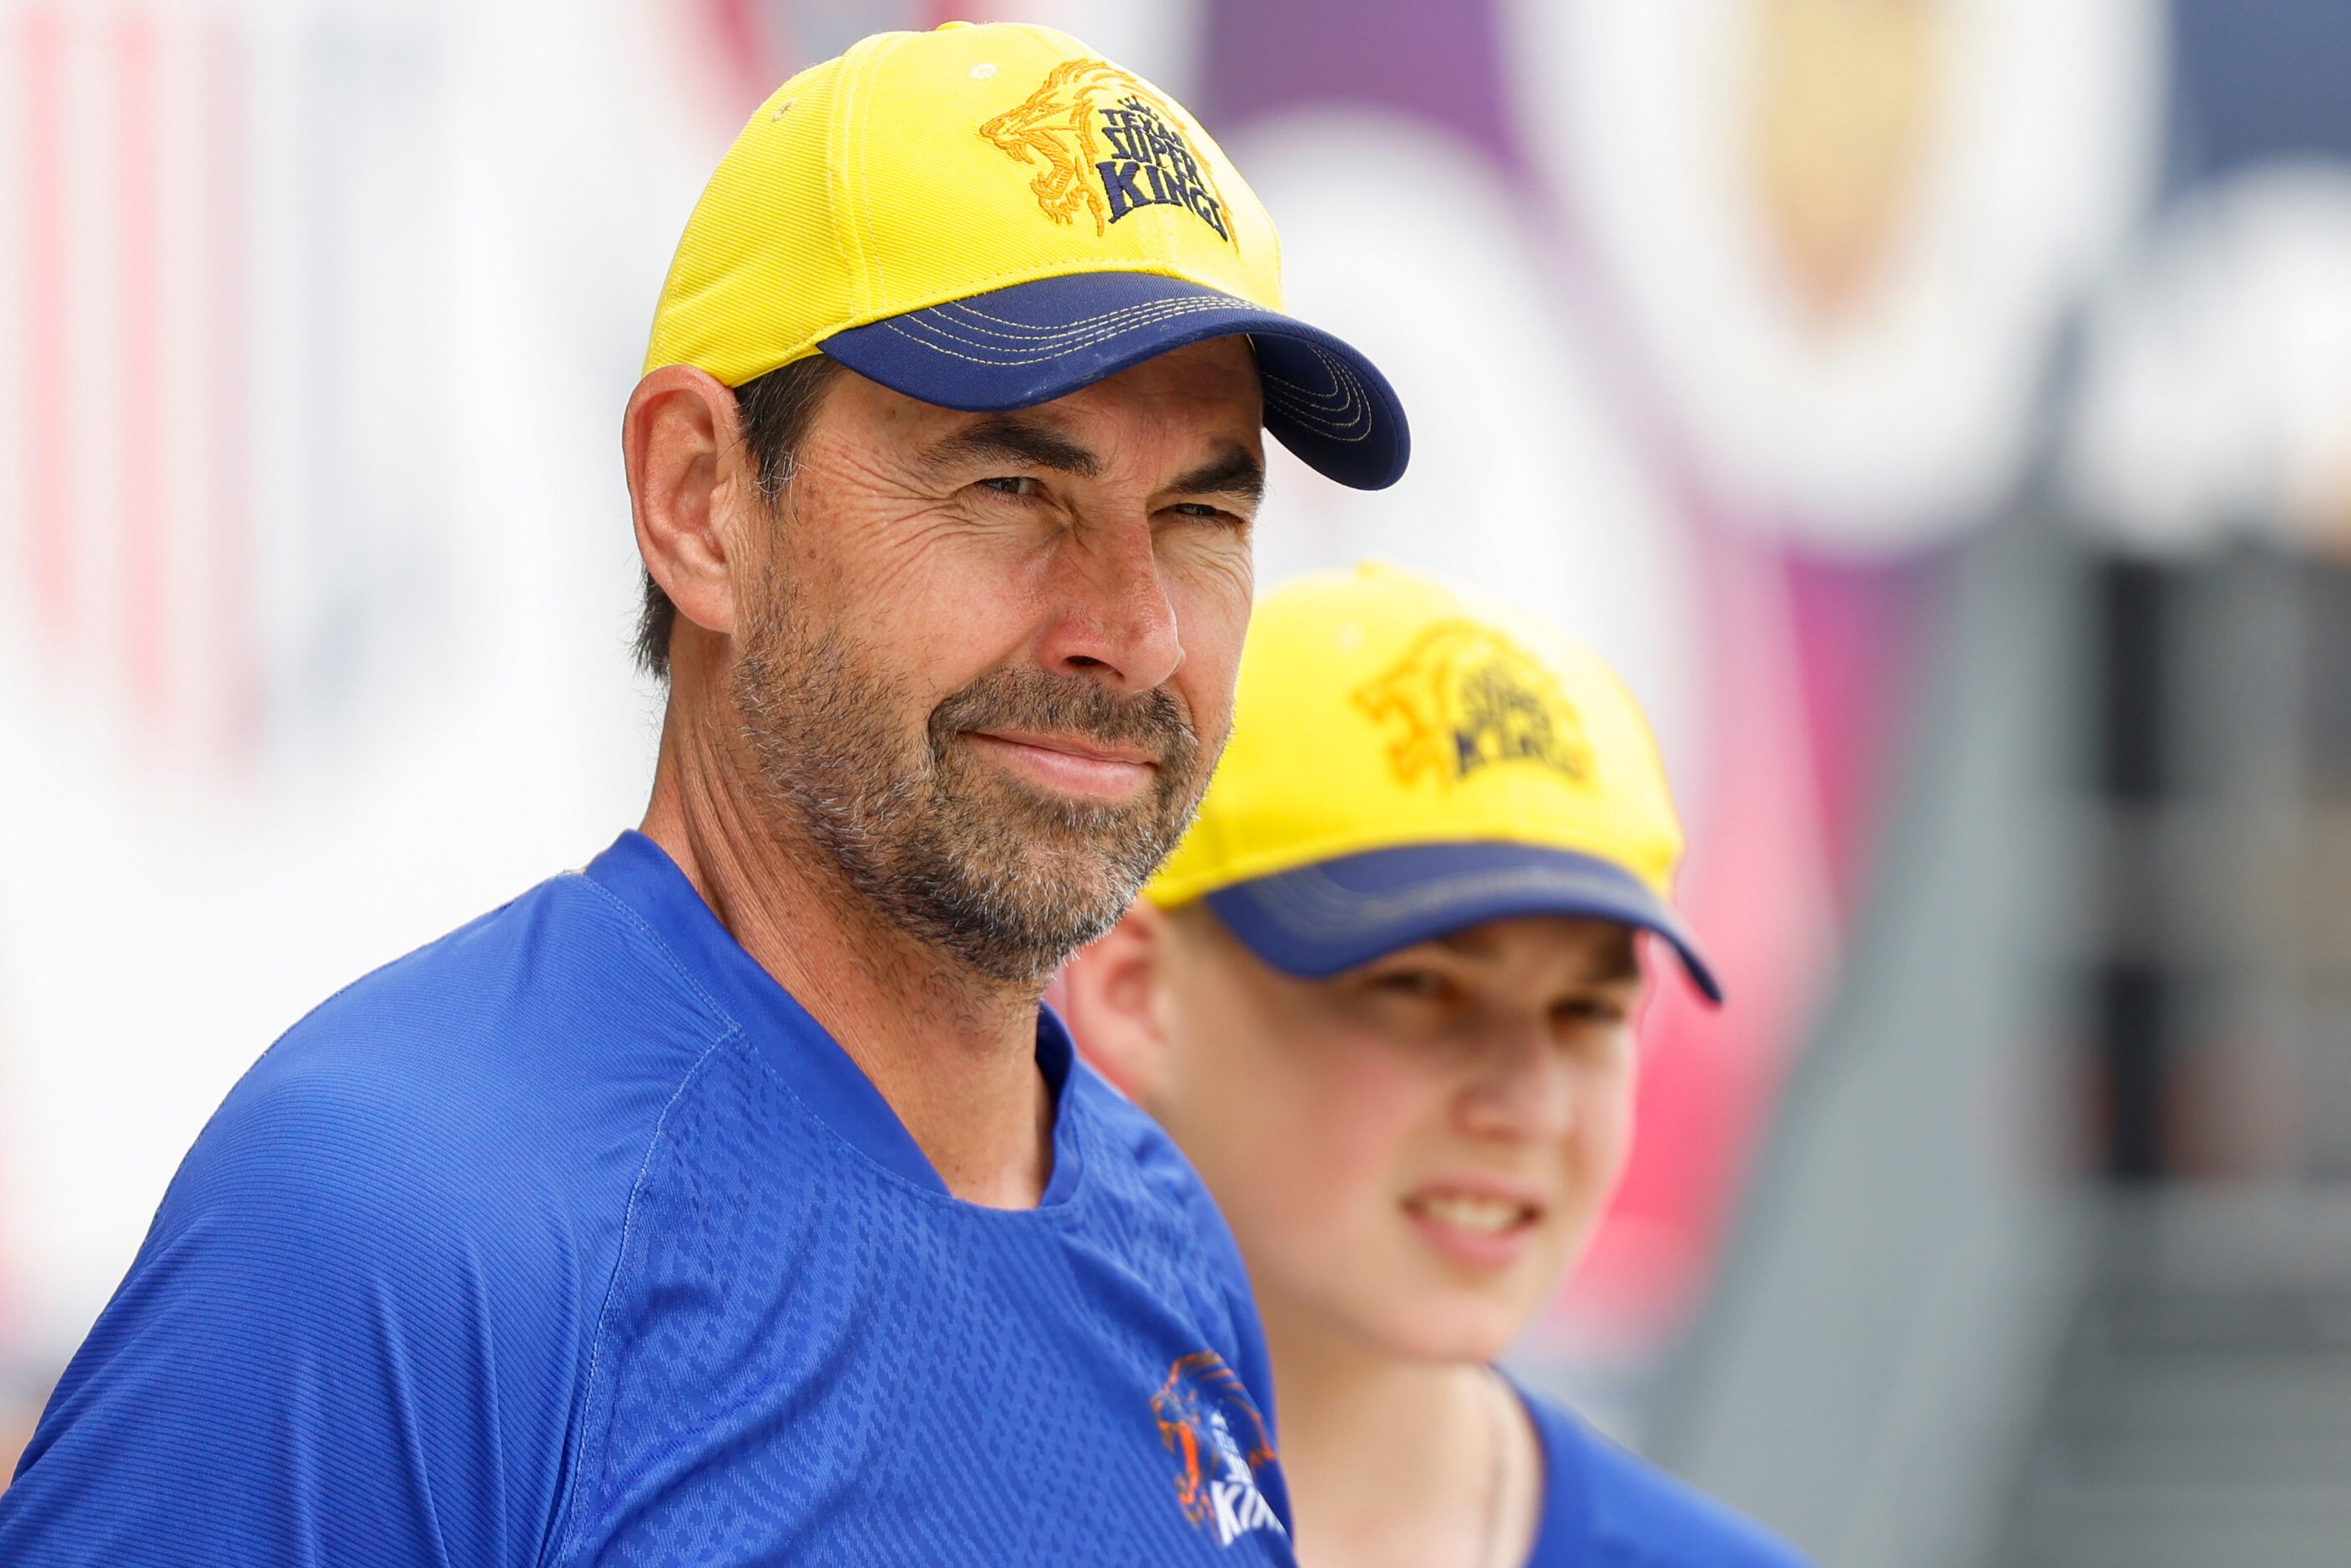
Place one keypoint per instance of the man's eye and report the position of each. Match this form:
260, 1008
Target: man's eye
1591, 1010
1023, 486
1410, 983
1205, 513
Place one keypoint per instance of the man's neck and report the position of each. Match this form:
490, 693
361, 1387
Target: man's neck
1398, 1461
953, 1055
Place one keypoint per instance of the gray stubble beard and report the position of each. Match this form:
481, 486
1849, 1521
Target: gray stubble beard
1007, 880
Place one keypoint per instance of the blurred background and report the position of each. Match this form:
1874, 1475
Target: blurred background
1939, 409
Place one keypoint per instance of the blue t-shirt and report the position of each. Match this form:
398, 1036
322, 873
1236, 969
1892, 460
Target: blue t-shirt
1604, 1507
573, 1239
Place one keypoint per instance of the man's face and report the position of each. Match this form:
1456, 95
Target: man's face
1411, 1152
989, 664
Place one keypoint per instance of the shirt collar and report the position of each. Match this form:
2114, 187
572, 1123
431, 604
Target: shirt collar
797, 1047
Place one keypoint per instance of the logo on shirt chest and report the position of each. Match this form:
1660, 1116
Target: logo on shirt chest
1211, 1427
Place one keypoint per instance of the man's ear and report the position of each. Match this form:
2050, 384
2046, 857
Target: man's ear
1113, 1003
681, 442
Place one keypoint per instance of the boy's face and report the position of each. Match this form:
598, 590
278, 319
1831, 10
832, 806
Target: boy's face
1413, 1152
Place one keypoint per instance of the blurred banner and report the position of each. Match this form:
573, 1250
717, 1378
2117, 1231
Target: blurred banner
1720, 323
313, 639
1718, 318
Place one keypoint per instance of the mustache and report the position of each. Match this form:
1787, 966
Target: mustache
1153, 721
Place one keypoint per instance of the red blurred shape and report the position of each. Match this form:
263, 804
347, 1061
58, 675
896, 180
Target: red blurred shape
49, 495
139, 393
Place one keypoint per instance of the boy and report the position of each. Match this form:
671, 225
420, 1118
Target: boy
1382, 995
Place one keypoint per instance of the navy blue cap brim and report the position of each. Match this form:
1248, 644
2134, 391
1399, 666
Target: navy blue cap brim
1033, 342
1331, 917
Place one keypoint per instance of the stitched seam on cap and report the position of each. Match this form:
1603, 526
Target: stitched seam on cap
1310, 901
932, 335
1344, 415
1486, 826
1315, 413
1008, 277
1023, 331
1345, 386
925, 327
938, 343
962, 324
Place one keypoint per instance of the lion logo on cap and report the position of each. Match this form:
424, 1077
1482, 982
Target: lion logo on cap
1465, 698
1108, 145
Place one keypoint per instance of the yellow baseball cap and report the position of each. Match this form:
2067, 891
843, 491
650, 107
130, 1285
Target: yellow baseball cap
991, 217
1406, 762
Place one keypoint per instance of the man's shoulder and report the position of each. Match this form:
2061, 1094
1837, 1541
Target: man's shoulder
1144, 1159
556, 990
379, 1273
532, 1048
567, 957
1606, 1505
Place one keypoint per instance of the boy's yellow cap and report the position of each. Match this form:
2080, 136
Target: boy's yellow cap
991, 217
1405, 762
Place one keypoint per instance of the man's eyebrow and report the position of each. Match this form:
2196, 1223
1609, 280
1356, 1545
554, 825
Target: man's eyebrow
1008, 438
1621, 963
1234, 471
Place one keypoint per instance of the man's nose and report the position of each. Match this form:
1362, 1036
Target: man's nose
1113, 618
1524, 1088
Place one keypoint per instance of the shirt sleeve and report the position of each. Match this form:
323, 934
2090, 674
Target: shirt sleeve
349, 1337
1247, 1354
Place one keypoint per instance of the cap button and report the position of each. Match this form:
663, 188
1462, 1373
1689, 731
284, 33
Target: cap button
945, 26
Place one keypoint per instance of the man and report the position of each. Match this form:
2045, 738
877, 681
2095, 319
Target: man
733, 1201
1384, 996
